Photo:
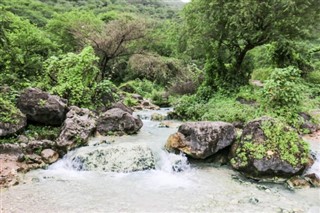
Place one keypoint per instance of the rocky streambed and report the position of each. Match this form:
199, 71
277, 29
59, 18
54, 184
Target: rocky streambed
84, 181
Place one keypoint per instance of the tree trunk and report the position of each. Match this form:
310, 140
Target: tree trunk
103, 68
240, 75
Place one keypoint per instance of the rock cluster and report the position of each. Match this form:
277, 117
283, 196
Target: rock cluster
77, 125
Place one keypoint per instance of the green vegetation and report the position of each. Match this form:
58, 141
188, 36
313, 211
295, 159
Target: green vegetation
198, 58
42, 132
9, 112
281, 141
72, 76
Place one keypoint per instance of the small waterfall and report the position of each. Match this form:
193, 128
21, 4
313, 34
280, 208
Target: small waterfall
143, 151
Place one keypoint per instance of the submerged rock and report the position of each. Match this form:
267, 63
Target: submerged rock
157, 117
79, 125
41, 107
201, 139
298, 182
268, 148
114, 158
117, 120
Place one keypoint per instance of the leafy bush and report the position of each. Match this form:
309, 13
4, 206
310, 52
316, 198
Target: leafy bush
189, 107
160, 98
314, 77
129, 101
248, 93
105, 94
227, 109
218, 108
283, 89
261, 74
155, 68
187, 82
8, 111
144, 87
73, 76
42, 132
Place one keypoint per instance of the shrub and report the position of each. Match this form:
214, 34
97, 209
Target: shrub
42, 132
155, 68
314, 77
129, 101
283, 89
144, 88
221, 108
8, 111
188, 107
261, 74
73, 76
160, 98
105, 93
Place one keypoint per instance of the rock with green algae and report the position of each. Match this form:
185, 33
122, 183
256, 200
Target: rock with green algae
123, 157
268, 148
12, 120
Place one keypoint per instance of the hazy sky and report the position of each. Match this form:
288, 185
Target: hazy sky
185, 0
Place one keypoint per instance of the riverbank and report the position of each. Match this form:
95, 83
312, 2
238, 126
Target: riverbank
196, 188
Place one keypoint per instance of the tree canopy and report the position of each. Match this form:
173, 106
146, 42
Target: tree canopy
224, 31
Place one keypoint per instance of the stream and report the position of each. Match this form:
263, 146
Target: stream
195, 188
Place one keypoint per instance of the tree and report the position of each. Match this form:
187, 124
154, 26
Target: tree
227, 30
114, 40
62, 26
24, 47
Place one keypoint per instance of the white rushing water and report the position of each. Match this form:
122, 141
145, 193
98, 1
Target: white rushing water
196, 188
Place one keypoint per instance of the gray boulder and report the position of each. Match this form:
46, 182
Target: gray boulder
268, 148
114, 158
41, 107
117, 120
201, 139
122, 106
79, 125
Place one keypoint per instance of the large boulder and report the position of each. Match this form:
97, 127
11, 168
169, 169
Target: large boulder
114, 158
201, 139
117, 120
122, 106
79, 125
269, 148
41, 107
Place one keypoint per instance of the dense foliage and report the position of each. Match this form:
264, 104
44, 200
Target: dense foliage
199, 60
225, 31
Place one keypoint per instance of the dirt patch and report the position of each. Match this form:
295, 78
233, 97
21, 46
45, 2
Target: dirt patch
314, 137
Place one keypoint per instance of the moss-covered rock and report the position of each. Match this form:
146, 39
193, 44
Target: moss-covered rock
269, 148
11, 118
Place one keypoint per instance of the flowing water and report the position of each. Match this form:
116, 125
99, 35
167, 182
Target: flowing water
195, 188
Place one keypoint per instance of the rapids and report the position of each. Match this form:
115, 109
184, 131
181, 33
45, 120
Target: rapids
173, 186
